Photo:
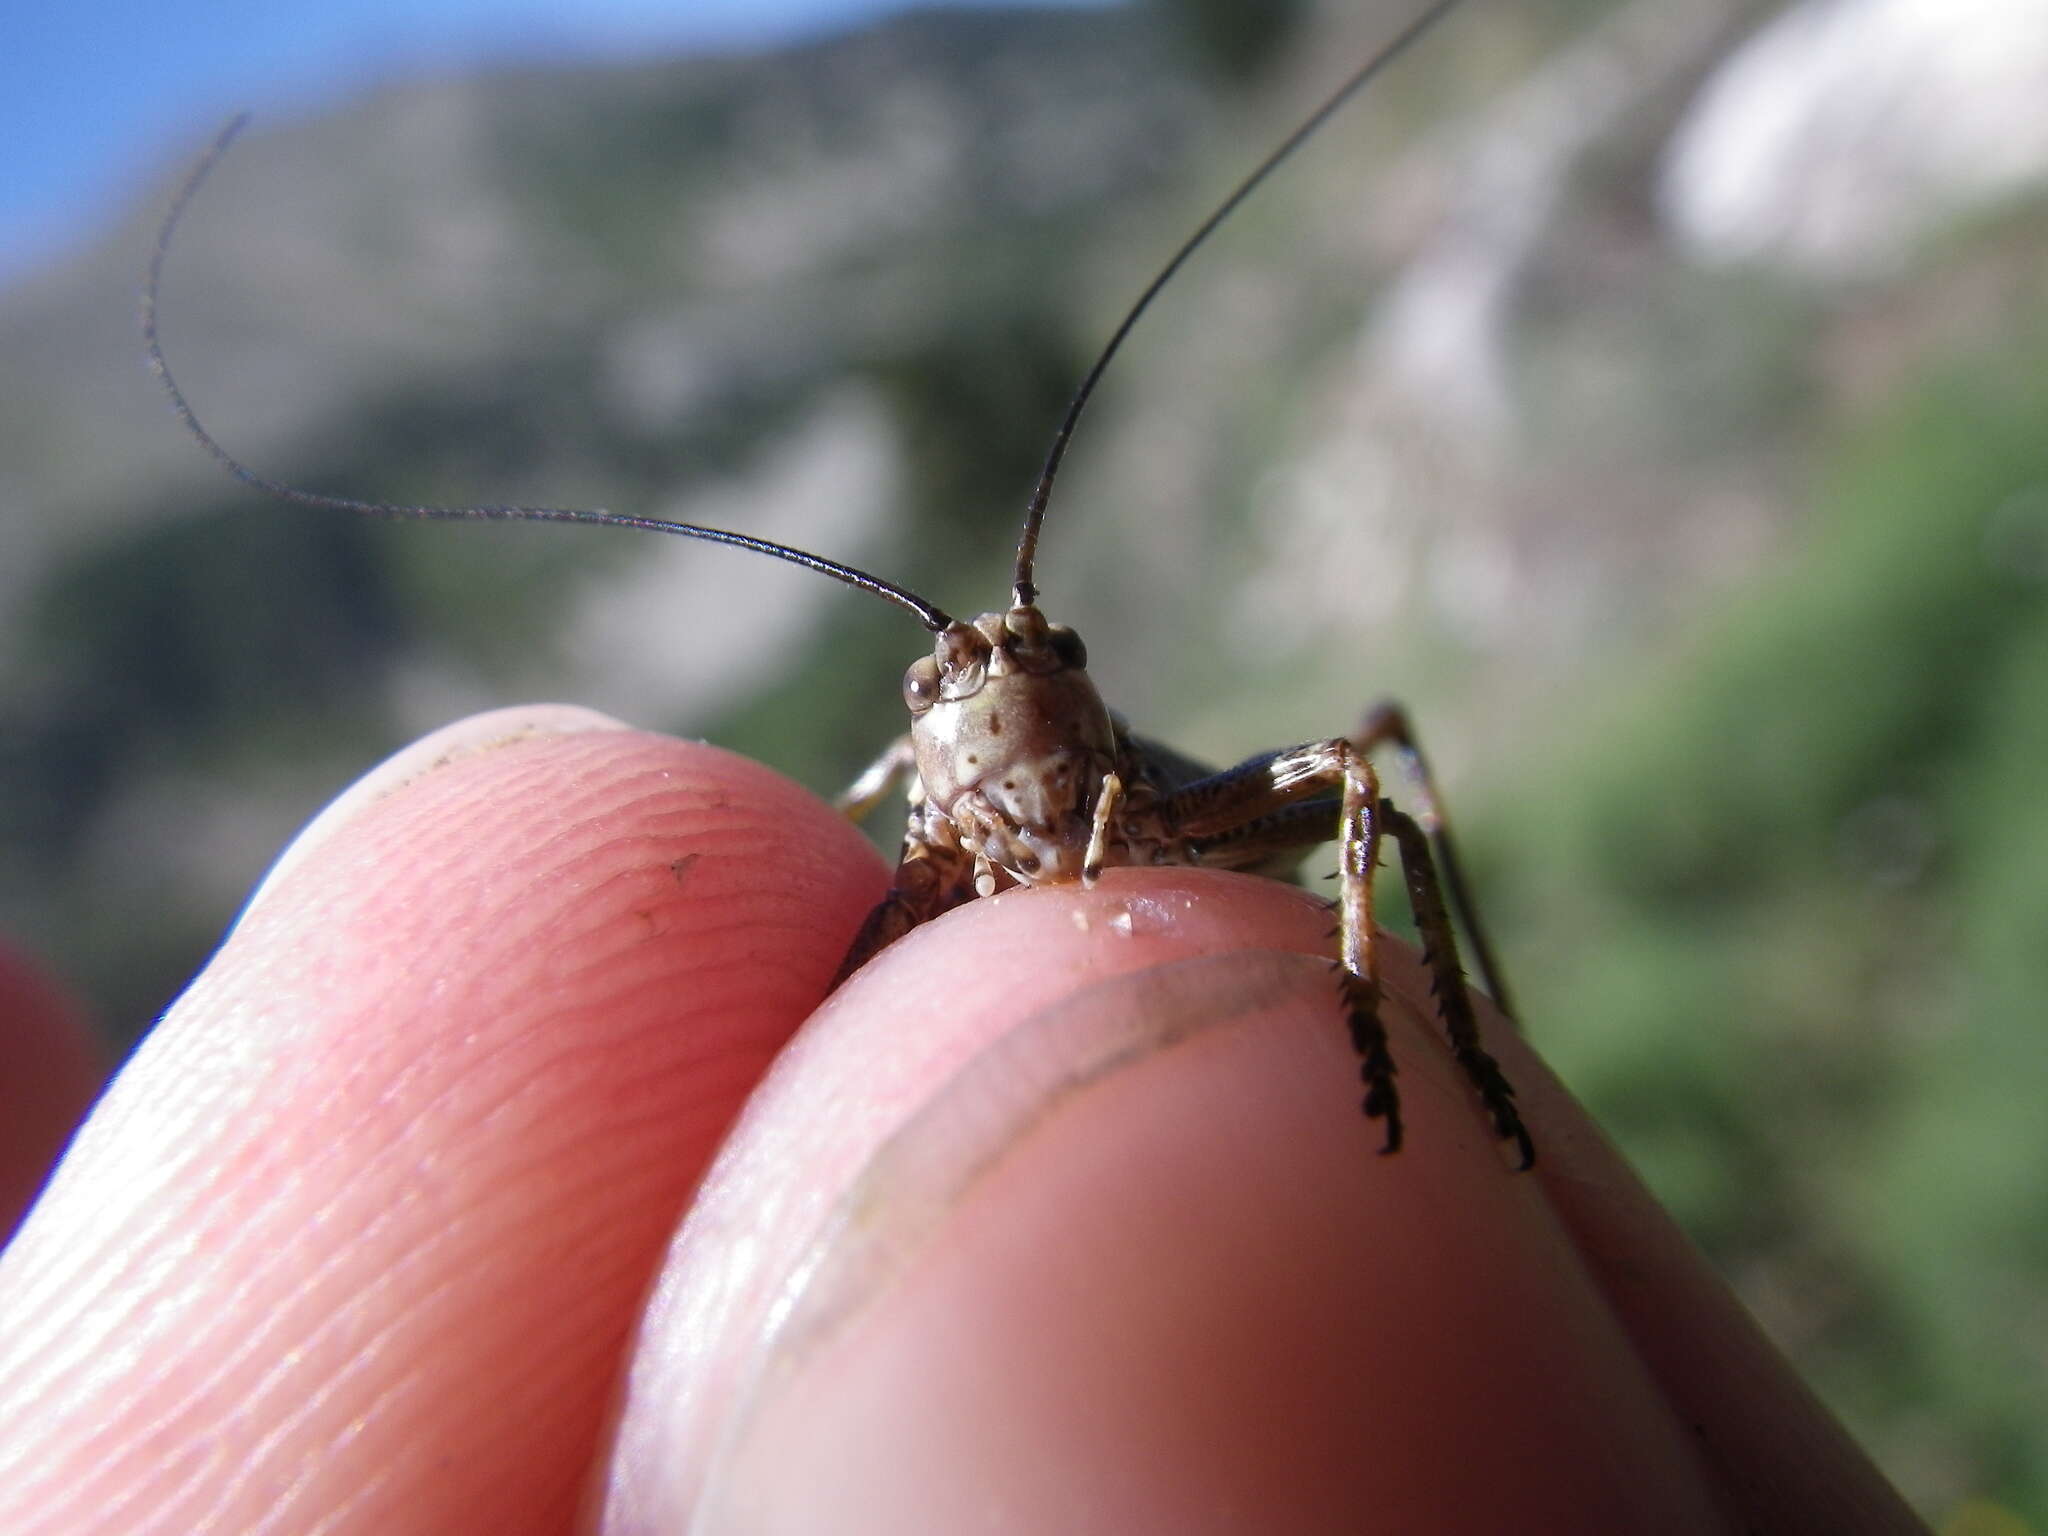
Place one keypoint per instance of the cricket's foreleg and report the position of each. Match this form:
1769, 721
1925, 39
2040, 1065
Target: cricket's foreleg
1107, 800
931, 878
1387, 724
1447, 981
878, 779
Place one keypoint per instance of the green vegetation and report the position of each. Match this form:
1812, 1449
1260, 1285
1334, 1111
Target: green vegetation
1785, 927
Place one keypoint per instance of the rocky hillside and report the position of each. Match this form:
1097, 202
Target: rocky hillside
1649, 394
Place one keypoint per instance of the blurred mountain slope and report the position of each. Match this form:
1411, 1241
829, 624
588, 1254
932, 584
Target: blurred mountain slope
1714, 580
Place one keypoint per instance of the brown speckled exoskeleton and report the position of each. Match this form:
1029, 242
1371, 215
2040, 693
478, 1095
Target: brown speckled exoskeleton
1019, 775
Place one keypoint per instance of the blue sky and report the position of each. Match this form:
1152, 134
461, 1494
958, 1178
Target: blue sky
97, 95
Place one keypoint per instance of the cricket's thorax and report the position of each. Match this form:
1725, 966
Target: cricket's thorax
1012, 742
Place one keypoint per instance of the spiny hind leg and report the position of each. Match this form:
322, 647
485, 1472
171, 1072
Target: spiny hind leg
1238, 817
1386, 724
1447, 981
1243, 815
1358, 976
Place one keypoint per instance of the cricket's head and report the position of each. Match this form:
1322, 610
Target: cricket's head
1012, 740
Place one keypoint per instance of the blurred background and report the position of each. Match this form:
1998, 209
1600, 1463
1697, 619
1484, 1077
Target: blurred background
1652, 395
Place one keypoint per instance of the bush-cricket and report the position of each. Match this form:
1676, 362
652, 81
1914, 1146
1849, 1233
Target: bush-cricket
1018, 773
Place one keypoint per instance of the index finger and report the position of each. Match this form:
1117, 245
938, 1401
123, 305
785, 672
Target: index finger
357, 1237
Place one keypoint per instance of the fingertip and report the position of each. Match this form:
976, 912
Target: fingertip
370, 1214
1100, 1240
1173, 1290
436, 751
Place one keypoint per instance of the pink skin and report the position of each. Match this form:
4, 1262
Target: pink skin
363, 1237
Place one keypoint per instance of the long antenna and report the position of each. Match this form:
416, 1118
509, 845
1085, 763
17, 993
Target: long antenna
930, 616
1034, 512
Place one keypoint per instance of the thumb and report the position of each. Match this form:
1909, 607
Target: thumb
1063, 1215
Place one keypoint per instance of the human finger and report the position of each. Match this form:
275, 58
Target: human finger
356, 1238
1063, 1215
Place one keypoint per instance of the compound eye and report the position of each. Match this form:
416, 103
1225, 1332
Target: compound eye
1068, 647
921, 685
